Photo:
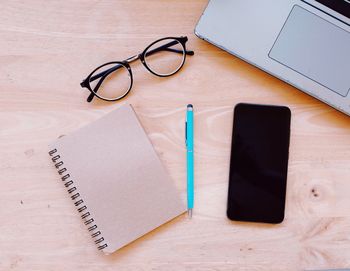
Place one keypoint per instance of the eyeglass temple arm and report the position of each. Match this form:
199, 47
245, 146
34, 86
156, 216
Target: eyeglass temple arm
106, 72
166, 48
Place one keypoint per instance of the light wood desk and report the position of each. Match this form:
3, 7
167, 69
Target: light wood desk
48, 47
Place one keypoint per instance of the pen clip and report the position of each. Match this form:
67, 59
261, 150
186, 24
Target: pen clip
186, 133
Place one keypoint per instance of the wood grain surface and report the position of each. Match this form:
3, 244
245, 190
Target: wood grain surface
48, 47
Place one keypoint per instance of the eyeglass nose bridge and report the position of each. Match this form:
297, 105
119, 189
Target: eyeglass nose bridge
132, 58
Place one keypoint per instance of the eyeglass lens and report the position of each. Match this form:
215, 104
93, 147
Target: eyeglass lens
111, 81
165, 57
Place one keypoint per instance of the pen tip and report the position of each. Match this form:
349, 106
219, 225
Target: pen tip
189, 212
189, 106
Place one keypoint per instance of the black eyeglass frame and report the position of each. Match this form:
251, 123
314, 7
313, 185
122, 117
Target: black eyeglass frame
125, 63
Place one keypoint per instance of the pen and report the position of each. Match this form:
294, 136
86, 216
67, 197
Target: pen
189, 148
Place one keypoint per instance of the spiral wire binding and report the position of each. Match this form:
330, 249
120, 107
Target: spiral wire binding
78, 201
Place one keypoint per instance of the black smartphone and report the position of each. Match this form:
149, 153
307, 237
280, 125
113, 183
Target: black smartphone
259, 163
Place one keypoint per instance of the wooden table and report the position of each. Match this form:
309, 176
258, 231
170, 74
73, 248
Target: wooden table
48, 47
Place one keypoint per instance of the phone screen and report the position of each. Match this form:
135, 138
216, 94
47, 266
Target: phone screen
259, 163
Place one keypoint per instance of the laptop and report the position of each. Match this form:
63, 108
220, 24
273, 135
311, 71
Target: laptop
305, 43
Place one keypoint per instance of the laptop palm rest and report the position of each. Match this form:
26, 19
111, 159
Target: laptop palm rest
315, 48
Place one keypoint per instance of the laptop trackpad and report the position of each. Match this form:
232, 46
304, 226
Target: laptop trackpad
315, 48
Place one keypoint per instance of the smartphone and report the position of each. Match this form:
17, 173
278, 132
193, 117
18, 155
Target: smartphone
259, 163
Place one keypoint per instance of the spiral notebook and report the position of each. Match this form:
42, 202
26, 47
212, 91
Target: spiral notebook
115, 179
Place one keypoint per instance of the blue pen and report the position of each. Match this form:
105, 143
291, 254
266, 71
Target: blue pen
190, 165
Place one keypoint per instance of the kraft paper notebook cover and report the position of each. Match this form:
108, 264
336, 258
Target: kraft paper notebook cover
115, 179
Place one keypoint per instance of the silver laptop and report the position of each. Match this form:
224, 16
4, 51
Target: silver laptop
306, 43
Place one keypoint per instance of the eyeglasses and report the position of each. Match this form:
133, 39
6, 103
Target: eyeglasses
112, 81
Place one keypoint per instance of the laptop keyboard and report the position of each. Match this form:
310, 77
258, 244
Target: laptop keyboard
340, 6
